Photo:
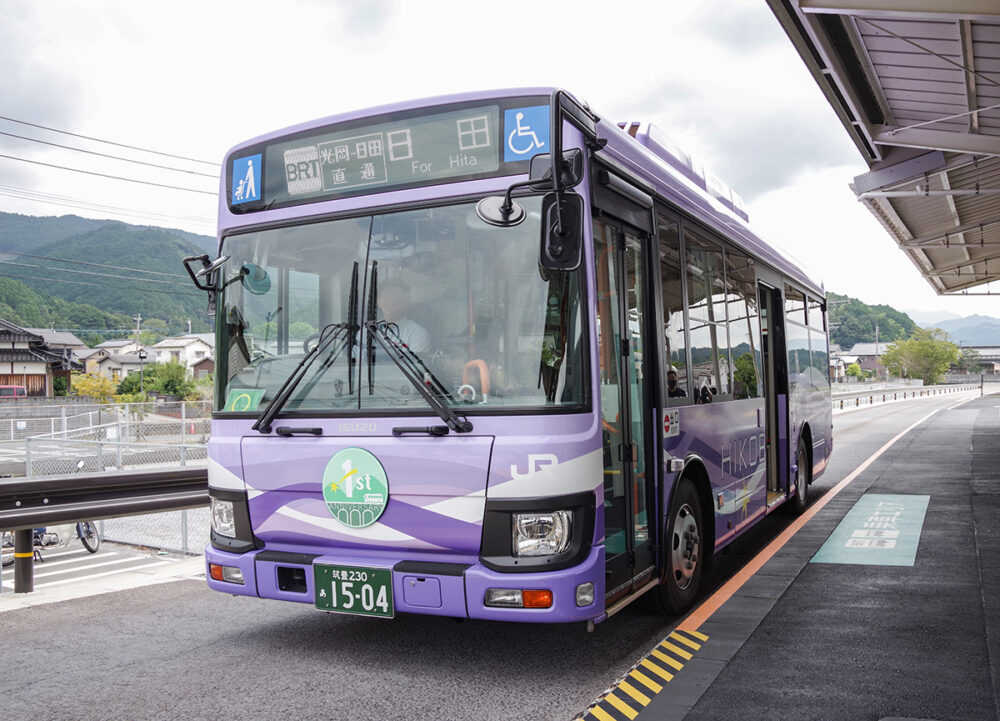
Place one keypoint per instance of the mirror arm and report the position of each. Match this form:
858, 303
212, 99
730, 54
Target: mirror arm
508, 201
205, 262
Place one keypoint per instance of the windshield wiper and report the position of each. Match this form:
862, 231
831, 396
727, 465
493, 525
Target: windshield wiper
331, 333
417, 373
327, 336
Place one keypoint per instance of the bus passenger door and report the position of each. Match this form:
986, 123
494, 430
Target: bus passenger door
622, 320
775, 389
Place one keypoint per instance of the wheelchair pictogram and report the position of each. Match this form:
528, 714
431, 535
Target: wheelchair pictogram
522, 138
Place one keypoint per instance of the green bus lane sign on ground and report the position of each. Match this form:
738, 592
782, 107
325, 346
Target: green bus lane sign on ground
881, 530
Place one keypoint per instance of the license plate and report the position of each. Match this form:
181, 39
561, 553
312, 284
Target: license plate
354, 589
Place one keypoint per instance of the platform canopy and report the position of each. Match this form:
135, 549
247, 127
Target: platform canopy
916, 83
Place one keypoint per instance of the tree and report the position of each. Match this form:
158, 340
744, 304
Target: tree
927, 354
855, 370
746, 373
94, 386
172, 378
969, 361
131, 383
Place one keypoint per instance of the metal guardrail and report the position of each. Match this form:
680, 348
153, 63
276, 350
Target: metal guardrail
52, 500
855, 399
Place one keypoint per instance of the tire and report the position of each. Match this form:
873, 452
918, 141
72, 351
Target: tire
803, 477
8, 549
88, 535
684, 548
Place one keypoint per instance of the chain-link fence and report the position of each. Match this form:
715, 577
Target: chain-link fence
175, 531
140, 435
87, 438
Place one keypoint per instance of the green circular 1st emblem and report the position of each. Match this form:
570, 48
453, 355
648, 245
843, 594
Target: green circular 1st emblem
355, 487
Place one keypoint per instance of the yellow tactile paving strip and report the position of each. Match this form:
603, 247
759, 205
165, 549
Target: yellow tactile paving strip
647, 678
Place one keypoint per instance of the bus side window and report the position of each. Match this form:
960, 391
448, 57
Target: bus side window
744, 325
707, 326
797, 341
677, 391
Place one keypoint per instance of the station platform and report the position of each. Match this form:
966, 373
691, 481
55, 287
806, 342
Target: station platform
881, 602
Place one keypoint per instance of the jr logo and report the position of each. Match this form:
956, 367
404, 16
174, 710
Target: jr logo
536, 462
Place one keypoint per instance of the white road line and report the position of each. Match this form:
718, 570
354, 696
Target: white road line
99, 575
49, 564
86, 567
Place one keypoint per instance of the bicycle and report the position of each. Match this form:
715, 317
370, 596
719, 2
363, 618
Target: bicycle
41, 538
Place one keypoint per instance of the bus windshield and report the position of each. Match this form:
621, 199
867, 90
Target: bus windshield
483, 326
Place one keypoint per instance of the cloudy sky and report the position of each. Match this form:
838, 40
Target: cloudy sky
191, 79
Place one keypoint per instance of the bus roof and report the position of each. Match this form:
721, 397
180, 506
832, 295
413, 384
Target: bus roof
641, 148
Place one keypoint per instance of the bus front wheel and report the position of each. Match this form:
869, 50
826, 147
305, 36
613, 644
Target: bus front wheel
684, 552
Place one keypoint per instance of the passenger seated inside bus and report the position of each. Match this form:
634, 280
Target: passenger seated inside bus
674, 390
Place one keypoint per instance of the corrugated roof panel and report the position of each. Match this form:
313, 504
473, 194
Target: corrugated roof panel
928, 73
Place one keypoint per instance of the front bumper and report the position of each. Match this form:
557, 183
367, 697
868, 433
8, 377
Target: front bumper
456, 588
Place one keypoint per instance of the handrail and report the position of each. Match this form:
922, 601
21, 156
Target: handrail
51, 500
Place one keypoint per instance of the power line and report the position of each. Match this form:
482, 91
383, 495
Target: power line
87, 272
109, 142
69, 202
99, 265
105, 155
100, 285
105, 175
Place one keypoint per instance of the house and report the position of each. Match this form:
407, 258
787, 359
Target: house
26, 360
203, 368
870, 356
60, 339
120, 346
187, 350
90, 358
117, 366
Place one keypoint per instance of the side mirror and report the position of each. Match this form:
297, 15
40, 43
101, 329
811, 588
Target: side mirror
572, 168
562, 232
207, 269
255, 279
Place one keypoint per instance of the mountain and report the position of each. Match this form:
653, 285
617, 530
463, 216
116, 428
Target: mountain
21, 233
25, 307
972, 330
852, 321
114, 270
930, 318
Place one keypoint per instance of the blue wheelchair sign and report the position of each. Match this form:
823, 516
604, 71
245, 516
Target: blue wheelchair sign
526, 132
246, 179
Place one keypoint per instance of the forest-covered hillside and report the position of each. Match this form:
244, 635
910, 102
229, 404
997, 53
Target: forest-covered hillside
853, 321
86, 275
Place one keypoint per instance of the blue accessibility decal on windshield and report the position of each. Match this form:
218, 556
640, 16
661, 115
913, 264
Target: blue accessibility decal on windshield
246, 179
527, 132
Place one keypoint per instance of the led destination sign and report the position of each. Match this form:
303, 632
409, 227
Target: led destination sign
421, 150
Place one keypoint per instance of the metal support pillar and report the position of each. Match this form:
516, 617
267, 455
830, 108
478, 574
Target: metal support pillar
24, 562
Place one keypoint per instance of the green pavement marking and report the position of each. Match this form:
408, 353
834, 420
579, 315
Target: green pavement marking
881, 530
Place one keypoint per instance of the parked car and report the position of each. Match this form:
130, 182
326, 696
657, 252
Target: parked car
13, 392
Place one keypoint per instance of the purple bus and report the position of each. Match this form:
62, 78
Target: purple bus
493, 356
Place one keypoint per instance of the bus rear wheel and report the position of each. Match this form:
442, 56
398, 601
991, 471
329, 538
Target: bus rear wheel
803, 476
684, 546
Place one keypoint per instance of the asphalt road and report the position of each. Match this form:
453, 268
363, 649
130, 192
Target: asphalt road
179, 651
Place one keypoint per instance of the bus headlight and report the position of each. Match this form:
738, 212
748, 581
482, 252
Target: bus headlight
223, 518
542, 534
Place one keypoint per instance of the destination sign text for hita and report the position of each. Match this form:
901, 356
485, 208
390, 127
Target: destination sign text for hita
432, 147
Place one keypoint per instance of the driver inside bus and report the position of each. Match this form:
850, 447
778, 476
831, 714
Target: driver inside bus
394, 300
